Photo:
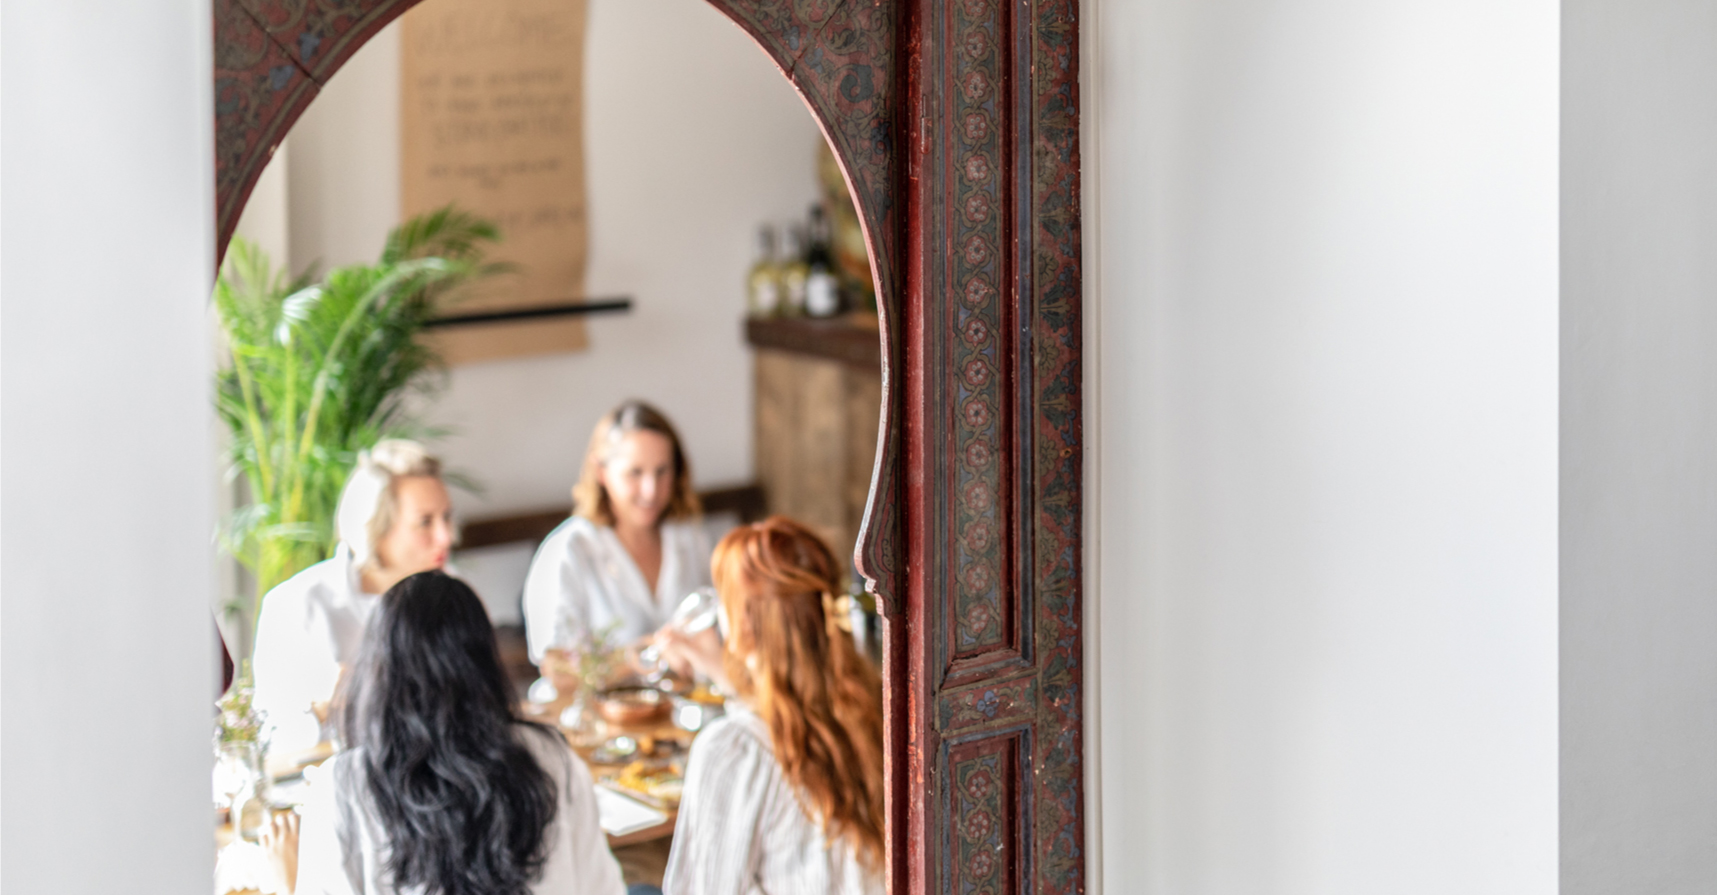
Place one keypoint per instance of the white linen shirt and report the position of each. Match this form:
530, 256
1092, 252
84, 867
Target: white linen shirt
742, 829
582, 580
343, 848
311, 624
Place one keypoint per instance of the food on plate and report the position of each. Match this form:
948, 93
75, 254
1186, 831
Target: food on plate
703, 694
658, 784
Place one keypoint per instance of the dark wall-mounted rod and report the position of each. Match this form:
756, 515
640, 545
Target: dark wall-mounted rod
534, 312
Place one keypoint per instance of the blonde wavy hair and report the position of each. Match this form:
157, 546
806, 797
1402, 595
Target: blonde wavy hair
590, 498
370, 499
789, 654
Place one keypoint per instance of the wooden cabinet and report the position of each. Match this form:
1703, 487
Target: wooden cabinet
818, 400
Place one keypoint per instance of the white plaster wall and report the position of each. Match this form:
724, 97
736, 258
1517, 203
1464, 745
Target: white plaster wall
1323, 302
267, 218
107, 655
693, 138
1639, 447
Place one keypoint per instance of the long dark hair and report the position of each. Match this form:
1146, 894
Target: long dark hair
464, 803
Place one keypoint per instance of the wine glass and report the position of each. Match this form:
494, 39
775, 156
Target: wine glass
239, 781
696, 613
568, 636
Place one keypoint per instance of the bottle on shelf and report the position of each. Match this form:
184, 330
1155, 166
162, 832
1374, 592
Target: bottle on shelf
763, 283
822, 289
795, 274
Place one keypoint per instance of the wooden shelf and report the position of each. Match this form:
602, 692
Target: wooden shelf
852, 339
818, 403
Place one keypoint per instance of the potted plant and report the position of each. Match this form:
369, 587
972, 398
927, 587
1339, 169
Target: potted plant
319, 371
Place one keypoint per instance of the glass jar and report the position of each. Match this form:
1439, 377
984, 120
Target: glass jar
241, 781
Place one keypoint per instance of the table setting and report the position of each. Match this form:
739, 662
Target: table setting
628, 714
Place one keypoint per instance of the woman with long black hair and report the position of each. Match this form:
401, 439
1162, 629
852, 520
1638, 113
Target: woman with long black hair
442, 789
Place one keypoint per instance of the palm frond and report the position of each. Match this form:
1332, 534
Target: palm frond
324, 367
446, 232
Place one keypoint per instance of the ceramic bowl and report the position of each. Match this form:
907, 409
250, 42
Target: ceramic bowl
632, 707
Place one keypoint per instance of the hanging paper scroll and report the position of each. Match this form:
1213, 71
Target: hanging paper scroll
491, 119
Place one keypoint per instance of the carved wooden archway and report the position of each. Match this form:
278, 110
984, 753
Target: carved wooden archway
957, 124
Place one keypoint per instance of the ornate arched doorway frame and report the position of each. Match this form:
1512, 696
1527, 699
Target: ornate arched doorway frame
957, 123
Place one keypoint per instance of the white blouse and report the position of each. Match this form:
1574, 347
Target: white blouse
583, 580
343, 848
311, 624
742, 829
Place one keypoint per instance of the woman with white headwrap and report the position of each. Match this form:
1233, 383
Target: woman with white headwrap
394, 520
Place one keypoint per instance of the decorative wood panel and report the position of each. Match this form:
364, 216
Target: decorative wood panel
992, 651
987, 806
978, 122
271, 59
956, 122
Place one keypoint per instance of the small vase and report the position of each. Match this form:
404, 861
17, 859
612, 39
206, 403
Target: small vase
584, 727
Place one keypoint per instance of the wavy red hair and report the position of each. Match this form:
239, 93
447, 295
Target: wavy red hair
820, 697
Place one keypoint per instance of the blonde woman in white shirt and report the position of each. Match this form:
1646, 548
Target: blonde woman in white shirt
444, 789
783, 795
633, 549
394, 519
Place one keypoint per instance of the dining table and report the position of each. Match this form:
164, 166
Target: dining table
652, 737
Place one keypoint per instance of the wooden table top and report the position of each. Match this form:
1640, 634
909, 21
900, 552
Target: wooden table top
549, 713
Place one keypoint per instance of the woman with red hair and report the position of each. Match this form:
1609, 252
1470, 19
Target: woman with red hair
784, 794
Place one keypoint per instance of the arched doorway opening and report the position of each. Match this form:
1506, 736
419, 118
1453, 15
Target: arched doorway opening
272, 59
957, 128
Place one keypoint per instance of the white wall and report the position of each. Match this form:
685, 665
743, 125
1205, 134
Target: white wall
1639, 447
107, 227
1323, 304
693, 138
267, 219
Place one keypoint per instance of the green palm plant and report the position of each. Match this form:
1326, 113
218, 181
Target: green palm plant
321, 371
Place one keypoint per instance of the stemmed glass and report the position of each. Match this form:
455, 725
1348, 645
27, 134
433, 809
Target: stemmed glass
240, 741
562, 648
238, 781
695, 614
